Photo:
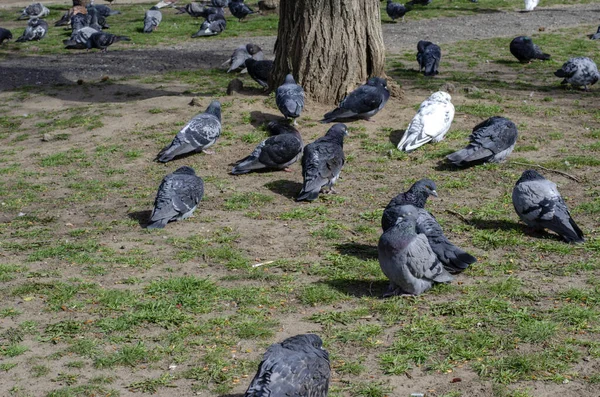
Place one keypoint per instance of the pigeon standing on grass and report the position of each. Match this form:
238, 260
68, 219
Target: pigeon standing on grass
277, 152
103, 40
79, 38
322, 163
525, 50
298, 366
491, 142
579, 72
5, 34
430, 124
177, 197
362, 103
428, 57
198, 134
539, 204
289, 98
406, 258
35, 10
396, 10
595, 36
36, 29
212, 26
240, 54
260, 71
239, 9
105, 11
152, 19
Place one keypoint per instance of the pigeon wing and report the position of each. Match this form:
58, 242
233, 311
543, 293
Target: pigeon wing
422, 262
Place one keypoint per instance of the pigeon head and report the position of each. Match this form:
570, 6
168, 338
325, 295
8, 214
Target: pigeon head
338, 132
296, 342
440, 96
422, 44
185, 170
289, 79
406, 214
33, 21
377, 82
154, 8
424, 187
215, 109
530, 175
253, 49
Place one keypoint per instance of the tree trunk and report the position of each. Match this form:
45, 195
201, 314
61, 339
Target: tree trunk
330, 46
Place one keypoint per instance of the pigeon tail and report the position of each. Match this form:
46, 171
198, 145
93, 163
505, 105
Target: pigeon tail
308, 195
121, 38
336, 114
158, 224
578, 237
542, 56
460, 262
561, 73
203, 33
246, 165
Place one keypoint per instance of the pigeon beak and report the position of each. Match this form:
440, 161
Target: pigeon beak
434, 193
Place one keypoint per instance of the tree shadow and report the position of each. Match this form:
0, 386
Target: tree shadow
289, 189
360, 251
142, 217
259, 119
360, 288
396, 136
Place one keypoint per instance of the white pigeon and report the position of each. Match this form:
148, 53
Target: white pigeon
531, 4
431, 123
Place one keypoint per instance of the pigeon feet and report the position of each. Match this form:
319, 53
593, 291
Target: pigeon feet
395, 291
286, 169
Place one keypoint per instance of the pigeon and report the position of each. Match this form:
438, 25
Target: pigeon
298, 366
79, 38
454, 259
524, 50
220, 3
197, 10
277, 152
595, 36
36, 29
103, 40
531, 4
539, 204
240, 54
419, 2
396, 10
5, 34
177, 198
428, 57
165, 3
491, 142
239, 10
152, 19
322, 163
581, 71
104, 10
199, 134
259, 70
79, 21
95, 20
35, 10
212, 26
289, 98
364, 102
406, 258
431, 123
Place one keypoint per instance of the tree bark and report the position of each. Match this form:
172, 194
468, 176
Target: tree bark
330, 46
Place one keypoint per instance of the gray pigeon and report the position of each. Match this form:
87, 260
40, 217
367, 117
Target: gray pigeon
579, 72
428, 57
298, 367
79, 21
289, 98
197, 10
523, 48
178, 195
103, 40
240, 54
35, 10
239, 10
5, 34
197, 135
152, 19
276, 152
539, 204
453, 258
322, 163
396, 10
259, 70
212, 26
491, 142
595, 36
36, 29
364, 102
79, 38
406, 258
104, 10
220, 3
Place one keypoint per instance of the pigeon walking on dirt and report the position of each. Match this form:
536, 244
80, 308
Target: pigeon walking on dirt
79, 38
430, 124
454, 259
525, 50
362, 103
103, 40
531, 4
259, 70
177, 197
36, 29
198, 134
428, 57
239, 9
322, 163
289, 98
35, 10
277, 152
595, 36
406, 258
396, 10
152, 19
5, 34
298, 366
490, 142
240, 54
539, 204
212, 26
581, 71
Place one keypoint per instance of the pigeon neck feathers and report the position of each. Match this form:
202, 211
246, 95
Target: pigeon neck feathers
530, 175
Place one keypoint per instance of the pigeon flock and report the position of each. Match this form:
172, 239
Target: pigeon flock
413, 252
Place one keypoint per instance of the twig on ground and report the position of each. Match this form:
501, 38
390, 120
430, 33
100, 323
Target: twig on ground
549, 170
461, 216
263, 263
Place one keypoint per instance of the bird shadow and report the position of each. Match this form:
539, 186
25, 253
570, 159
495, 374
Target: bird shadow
487, 224
360, 251
285, 188
359, 288
142, 217
260, 119
396, 136
443, 165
